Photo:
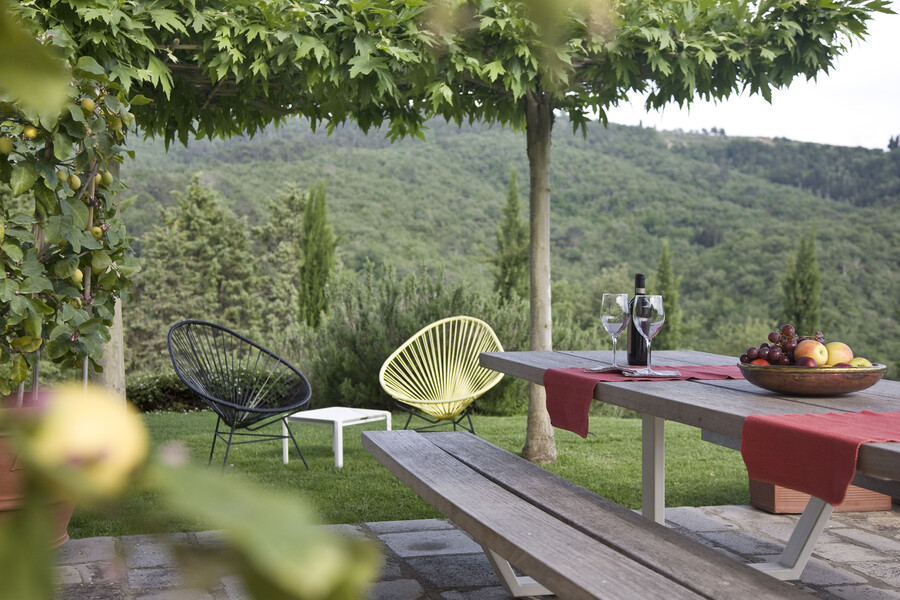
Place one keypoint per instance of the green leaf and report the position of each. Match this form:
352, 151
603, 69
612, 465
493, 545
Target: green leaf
13, 251
88, 65
100, 260
34, 285
57, 229
26, 344
140, 100
62, 146
8, 289
23, 177
19, 372
493, 70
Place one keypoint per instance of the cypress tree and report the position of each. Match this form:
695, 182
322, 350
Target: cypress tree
670, 336
318, 247
802, 287
511, 275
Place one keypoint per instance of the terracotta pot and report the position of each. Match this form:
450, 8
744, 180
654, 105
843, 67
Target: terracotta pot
11, 478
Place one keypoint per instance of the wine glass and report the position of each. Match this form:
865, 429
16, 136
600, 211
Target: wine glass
614, 316
648, 315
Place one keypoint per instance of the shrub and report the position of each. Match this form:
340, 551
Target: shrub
161, 391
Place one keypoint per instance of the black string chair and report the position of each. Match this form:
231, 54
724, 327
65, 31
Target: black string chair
248, 386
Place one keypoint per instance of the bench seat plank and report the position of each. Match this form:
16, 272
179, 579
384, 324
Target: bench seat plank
665, 550
561, 558
573, 542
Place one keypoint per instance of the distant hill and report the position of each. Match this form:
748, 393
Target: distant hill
730, 208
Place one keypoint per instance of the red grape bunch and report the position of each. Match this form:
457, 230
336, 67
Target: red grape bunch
779, 350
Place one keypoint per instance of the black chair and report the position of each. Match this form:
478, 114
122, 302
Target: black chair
245, 384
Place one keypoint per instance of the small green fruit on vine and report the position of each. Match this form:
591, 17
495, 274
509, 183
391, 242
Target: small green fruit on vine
30, 132
115, 123
88, 105
6, 145
107, 178
78, 275
74, 181
97, 232
98, 179
75, 302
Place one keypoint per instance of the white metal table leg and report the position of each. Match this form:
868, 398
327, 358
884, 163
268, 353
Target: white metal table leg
792, 560
337, 444
653, 468
284, 443
518, 586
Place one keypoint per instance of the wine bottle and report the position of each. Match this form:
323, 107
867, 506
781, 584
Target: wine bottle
637, 347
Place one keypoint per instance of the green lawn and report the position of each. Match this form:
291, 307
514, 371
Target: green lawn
697, 473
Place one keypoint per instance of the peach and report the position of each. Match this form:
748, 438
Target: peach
838, 352
859, 361
812, 349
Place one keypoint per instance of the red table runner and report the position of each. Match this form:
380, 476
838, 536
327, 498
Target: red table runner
813, 454
571, 391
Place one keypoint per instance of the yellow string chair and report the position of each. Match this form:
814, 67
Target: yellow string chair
435, 374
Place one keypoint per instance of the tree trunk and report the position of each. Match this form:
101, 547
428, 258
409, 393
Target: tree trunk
540, 446
113, 361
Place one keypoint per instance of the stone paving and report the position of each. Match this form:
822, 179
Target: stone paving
857, 558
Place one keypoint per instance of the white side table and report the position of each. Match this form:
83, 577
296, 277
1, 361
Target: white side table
338, 417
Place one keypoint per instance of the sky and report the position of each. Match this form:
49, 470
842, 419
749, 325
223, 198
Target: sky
856, 104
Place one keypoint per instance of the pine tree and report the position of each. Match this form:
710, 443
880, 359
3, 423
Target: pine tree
197, 264
318, 253
802, 287
670, 336
279, 247
511, 276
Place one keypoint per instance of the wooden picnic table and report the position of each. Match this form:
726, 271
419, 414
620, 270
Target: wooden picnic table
718, 408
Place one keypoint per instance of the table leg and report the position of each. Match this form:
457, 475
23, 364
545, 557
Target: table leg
653, 468
337, 444
792, 560
284, 443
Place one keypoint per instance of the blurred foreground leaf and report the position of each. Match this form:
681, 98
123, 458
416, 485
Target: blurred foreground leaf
281, 551
29, 73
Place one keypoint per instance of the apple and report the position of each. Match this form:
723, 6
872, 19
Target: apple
74, 181
88, 104
806, 361
30, 132
78, 275
97, 232
812, 349
859, 361
107, 178
838, 352
6, 145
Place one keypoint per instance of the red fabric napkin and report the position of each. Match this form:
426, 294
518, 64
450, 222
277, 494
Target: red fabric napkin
571, 391
813, 454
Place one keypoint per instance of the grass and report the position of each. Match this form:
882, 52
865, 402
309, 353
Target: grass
697, 473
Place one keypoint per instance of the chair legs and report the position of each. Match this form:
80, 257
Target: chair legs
436, 423
261, 437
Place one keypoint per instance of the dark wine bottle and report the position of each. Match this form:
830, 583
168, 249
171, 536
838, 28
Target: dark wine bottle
637, 347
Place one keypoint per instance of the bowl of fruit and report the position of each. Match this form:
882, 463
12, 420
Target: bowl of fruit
807, 366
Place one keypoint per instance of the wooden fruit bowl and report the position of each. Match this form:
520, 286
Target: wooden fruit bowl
812, 381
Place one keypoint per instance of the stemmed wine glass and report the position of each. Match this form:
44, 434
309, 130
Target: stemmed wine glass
614, 316
648, 315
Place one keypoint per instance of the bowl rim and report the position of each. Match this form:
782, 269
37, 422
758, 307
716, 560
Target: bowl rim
794, 369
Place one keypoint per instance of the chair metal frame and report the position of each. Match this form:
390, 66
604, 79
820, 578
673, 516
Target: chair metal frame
435, 374
211, 360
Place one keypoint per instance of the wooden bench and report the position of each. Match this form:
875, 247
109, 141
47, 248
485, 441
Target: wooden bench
570, 541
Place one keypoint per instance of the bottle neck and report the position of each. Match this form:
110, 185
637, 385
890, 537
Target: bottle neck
640, 291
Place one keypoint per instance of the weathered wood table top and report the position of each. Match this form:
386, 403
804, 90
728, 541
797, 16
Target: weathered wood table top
718, 406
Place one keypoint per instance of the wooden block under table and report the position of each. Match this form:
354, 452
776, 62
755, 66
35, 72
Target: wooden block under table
781, 500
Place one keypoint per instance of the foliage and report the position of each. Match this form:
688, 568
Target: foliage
802, 287
198, 264
510, 263
65, 251
670, 336
317, 247
161, 391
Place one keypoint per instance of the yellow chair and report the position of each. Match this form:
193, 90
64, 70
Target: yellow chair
435, 374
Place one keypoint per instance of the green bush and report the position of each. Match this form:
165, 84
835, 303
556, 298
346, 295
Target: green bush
161, 391
373, 313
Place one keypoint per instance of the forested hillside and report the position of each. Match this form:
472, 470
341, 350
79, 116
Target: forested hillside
732, 210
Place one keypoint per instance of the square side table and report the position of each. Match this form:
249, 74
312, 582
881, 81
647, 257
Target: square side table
338, 417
